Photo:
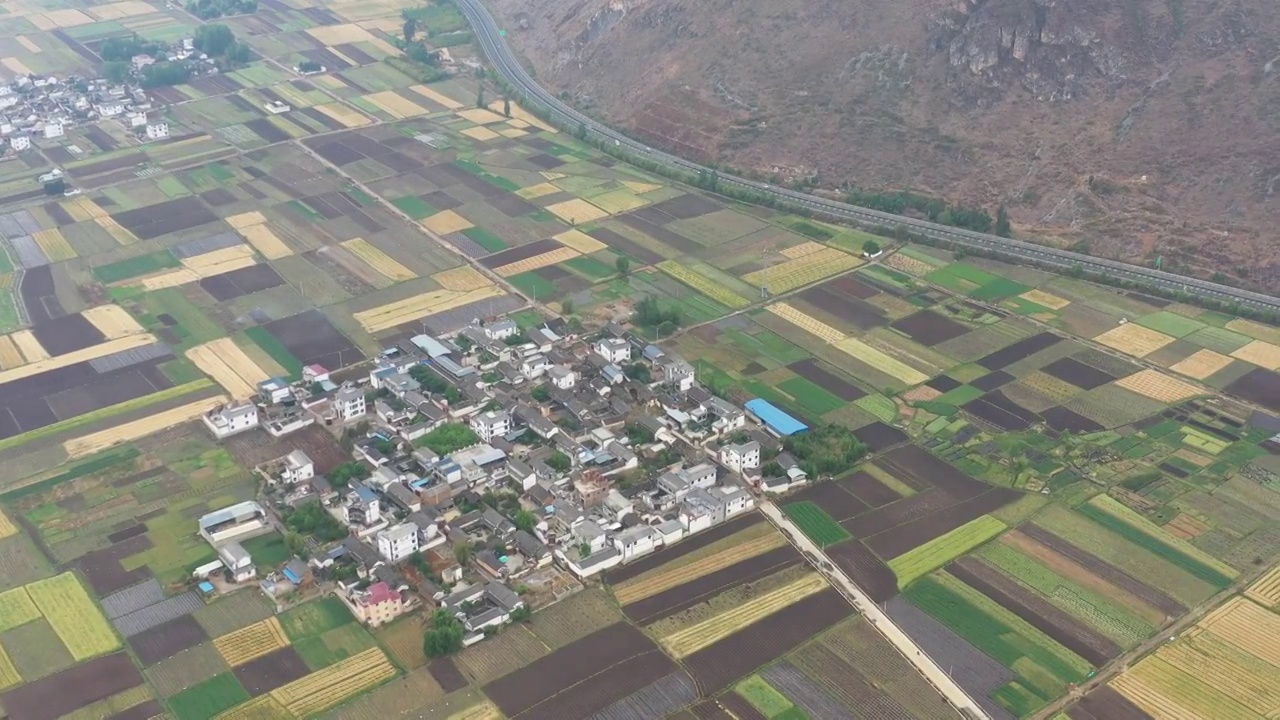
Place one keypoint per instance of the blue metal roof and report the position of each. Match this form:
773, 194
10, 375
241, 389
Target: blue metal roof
770, 415
293, 577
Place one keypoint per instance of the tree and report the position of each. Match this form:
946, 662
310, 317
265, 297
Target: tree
566, 306
462, 552
448, 438
622, 265
342, 475
445, 635
312, 519
214, 40
559, 461
581, 132
480, 97
638, 372
870, 248
410, 29
542, 393
1003, 227
238, 53
584, 551
521, 614
524, 520
116, 71
506, 106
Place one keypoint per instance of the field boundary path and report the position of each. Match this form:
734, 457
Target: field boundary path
931, 671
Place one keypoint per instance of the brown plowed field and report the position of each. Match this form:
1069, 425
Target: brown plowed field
669, 602
864, 568
62, 693
735, 704
892, 515
447, 674
1038, 612
271, 671
543, 679
1108, 572
684, 547
1025, 347
849, 686
878, 436
916, 462
869, 490
832, 498
719, 666
167, 639
1085, 377
836, 385
911, 535
1106, 704
929, 328
609, 685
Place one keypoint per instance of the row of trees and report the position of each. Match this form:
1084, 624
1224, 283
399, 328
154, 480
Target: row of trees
902, 202
210, 9
649, 314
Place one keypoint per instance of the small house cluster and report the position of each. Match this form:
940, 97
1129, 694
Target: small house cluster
481, 458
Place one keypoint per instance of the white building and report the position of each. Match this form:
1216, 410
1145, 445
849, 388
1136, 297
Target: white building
230, 522
237, 561
492, 424
563, 377
501, 330
53, 130
20, 142
227, 420
349, 404
399, 542
157, 131
297, 467
637, 541
615, 350
741, 457
110, 109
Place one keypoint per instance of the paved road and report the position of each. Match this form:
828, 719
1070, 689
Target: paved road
504, 61
925, 664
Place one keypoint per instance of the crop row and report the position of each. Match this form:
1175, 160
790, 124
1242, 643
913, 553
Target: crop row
692, 639
74, 617
263, 707
792, 274
942, 550
328, 687
251, 642
704, 285
653, 584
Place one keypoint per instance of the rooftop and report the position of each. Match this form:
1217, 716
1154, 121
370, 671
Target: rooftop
779, 421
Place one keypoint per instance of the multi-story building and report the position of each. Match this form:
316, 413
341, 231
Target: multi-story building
349, 404
492, 424
227, 420
399, 542
378, 605
741, 457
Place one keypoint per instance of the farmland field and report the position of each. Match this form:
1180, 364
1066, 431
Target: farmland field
816, 523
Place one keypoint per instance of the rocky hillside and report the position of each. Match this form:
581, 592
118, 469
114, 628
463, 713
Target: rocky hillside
1143, 128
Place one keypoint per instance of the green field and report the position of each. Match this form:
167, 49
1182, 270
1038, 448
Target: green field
533, 285
277, 351
268, 551
332, 646
135, 267
414, 206
1141, 532
810, 395
763, 696
1170, 323
315, 618
941, 550
203, 701
485, 239
1043, 667
814, 522
998, 288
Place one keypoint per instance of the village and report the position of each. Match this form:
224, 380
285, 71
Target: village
483, 459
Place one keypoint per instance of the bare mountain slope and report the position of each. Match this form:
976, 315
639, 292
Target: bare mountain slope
1147, 127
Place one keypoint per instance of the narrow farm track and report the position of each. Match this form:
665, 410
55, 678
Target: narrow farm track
493, 43
931, 671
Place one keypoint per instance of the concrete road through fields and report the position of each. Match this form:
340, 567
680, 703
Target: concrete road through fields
925, 664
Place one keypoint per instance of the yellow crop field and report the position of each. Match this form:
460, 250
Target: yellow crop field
265, 241
640, 187
618, 201
1158, 386
8, 673
1226, 668
480, 133
513, 132
172, 278
29, 44
343, 114
436, 97
378, 260
1040, 297
1265, 591
882, 362
117, 232
692, 639
445, 222
480, 116
57, 19
1255, 330
340, 34
10, 356
119, 10
54, 245
651, 584
220, 261
17, 66
68, 608
1133, 339
519, 113
546, 259
263, 707
703, 284
577, 211
1151, 700
537, 191
90, 353
803, 270
805, 248
579, 240
394, 105
246, 644
7, 528
461, 279
806, 322
325, 688
909, 265
112, 321
17, 608
244, 220
82, 208
31, 348
229, 366
1260, 353
128, 432
1248, 626
419, 306
1201, 364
